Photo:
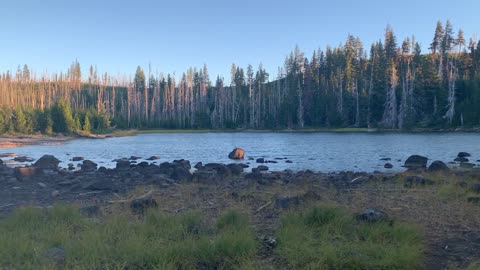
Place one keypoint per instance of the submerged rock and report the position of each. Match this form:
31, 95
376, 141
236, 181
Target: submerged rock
260, 160
461, 159
153, 158
388, 166
22, 159
463, 155
77, 158
89, 166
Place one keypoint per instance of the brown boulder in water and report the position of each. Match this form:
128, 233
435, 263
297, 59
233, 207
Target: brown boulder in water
237, 153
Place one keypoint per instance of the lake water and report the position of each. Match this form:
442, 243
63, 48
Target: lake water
325, 151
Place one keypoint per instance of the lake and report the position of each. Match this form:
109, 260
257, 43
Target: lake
323, 151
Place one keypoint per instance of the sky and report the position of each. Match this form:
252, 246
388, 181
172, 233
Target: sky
116, 36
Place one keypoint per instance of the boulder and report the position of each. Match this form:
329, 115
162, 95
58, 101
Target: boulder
47, 162
122, 164
180, 173
372, 215
77, 158
143, 164
135, 158
388, 166
416, 162
235, 169
262, 168
22, 159
260, 160
220, 168
182, 163
461, 159
198, 166
153, 158
438, 166
237, 153
141, 204
463, 155
89, 166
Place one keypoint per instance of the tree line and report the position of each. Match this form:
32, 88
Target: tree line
391, 85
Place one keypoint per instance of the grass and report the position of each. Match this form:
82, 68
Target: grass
325, 237
159, 241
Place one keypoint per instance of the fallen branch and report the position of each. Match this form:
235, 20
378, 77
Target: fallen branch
263, 206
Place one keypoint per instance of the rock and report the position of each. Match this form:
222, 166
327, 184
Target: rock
287, 202
476, 188
475, 200
269, 242
438, 166
1, 162
463, 155
271, 161
135, 158
251, 158
262, 168
94, 185
254, 175
183, 163
153, 158
235, 169
141, 204
47, 162
56, 254
385, 159
77, 159
71, 167
372, 215
260, 160
388, 166
237, 153
461, 159
122, 164
26, 171
143, 164
89, 166
221, 169
90, 211
181, 173
55, 193
410, 181
416, 162
198, 166
467, 165
288, 161
4, 155
22, 159
204, 176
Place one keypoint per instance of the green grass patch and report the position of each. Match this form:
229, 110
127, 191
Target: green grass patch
159, 241
325, 237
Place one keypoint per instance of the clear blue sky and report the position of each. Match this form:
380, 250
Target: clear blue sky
117, 36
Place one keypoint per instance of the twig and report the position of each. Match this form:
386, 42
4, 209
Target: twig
263, 206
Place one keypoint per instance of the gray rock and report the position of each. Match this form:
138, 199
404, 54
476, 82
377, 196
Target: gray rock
180, 173
89, 166
385, 159
77, 158
260, 160
135, 158
22, 159
122, 164
141, 204
47, 162
372, 215
288, 161
235, 168
153, 158
198, 166
461, 159
262, 168
438, 166
388, 166
463, 155
416, 162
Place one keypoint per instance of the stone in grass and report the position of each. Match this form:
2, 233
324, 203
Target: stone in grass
141, 204
372, 215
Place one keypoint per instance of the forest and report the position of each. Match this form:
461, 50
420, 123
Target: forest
390, 85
